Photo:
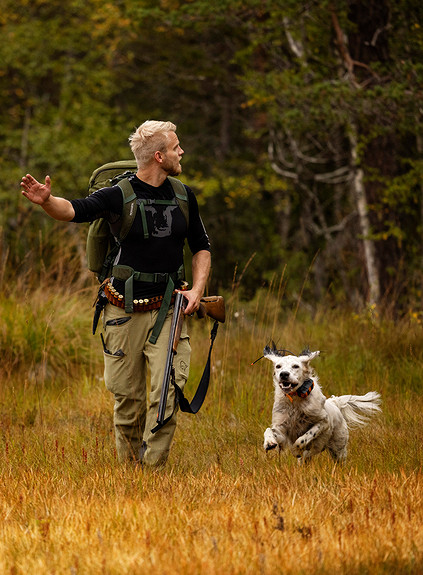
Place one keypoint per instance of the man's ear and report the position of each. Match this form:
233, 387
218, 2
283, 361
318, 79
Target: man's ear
158, 156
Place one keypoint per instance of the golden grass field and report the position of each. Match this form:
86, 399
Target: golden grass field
221, 505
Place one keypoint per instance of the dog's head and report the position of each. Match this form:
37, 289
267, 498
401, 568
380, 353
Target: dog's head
290, 371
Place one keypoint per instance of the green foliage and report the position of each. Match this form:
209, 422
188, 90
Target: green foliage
240, 79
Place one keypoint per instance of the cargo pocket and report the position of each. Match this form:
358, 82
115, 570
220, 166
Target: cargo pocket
181, 361
115, 345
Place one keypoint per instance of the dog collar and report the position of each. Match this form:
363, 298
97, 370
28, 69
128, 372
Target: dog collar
303, 390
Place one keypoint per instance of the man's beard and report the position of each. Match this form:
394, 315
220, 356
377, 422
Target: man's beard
175, 172
171, 169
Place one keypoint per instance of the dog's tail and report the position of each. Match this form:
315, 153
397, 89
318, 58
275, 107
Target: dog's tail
357, 409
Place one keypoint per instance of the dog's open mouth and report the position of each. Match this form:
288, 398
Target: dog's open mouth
286, 386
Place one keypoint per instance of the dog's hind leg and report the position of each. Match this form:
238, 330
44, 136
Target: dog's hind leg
339, 455
338, 443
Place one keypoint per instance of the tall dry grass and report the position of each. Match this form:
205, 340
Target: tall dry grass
221, 505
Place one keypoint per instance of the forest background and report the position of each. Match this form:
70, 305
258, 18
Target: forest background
301, 122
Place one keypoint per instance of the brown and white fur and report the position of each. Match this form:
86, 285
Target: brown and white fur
309, 425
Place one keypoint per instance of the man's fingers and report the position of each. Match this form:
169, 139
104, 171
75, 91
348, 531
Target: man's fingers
27, 182
30, 184
25, 185
28, 179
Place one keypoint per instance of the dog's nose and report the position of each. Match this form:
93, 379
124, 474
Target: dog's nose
284, 375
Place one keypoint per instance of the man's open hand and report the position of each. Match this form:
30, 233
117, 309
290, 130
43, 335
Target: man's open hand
36, 192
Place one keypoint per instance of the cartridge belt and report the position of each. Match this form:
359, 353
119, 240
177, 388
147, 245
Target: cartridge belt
147, 304
128, 275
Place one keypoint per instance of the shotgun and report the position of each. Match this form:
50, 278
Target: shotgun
212, 306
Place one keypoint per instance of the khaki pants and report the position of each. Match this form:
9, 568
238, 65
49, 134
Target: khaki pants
125, 376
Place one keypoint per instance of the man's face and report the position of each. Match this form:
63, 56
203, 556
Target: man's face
172, 157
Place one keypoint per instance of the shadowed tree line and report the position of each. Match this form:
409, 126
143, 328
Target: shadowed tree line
302, 123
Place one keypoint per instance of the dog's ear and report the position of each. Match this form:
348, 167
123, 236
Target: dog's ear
307, 357
267, 351
270, 350
270, 353
275, 352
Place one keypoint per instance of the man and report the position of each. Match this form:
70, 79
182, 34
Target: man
154, 245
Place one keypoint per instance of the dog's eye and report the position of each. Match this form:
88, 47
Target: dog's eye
278, 366
296, 366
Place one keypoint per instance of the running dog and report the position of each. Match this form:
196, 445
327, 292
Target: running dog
303, 420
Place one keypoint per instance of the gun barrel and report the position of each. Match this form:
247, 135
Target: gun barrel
171, 350
165, 389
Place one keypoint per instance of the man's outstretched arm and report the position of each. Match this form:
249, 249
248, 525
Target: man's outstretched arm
37, 193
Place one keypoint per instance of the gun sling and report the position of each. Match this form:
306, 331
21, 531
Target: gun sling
200, 394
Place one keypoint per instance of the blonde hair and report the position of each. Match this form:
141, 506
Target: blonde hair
149, 138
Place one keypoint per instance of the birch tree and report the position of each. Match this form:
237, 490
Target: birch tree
338, 100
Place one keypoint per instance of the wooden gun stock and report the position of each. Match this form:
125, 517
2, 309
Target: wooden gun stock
214, 307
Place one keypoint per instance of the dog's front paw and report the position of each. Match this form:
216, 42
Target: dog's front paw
299, 446
301, 443
269, 440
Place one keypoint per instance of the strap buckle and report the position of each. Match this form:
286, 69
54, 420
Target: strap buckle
161, 277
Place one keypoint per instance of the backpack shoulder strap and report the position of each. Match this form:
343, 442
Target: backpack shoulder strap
130, 203
129, 207
181, 195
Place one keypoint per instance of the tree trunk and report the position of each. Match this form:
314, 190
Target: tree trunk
359, 194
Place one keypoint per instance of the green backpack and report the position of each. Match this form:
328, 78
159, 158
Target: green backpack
102, 246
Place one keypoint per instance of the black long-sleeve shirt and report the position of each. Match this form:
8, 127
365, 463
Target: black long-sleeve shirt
167, 229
